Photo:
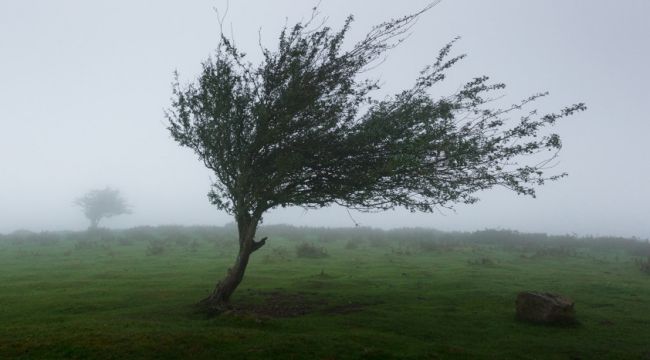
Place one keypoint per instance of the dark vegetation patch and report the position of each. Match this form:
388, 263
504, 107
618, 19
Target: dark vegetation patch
643, 264
407, 240
311, 251
483, 261
346, 308
24, 237
283, 304
278, 304
405, 251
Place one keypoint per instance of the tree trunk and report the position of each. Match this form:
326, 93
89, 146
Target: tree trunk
220, 297
94, 223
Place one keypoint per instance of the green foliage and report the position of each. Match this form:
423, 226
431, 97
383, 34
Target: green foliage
99, 204
307, 250
302, 128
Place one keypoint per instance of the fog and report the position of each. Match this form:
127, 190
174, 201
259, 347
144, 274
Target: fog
84, 86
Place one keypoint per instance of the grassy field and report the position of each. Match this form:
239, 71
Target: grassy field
352, 294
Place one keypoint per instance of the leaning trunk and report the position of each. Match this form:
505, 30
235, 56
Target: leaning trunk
220, 297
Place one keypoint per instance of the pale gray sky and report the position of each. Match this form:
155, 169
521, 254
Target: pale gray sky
83, 85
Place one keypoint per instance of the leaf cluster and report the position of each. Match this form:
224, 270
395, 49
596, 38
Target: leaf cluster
101, 203
303, 129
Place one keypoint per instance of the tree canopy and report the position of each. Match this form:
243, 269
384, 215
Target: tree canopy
99, 204
302, 128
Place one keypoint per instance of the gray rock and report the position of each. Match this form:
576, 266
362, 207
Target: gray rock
545, 308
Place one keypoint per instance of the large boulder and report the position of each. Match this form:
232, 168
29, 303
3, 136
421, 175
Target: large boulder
545, 308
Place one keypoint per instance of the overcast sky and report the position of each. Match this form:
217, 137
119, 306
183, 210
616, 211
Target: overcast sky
83, 87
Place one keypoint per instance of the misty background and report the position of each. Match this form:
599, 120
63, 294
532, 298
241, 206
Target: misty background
83, 88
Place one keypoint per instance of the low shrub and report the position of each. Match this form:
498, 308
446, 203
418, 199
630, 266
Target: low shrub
307, 250
156, 247
644, 265
25, 237
482, 261
401, 251
277, 254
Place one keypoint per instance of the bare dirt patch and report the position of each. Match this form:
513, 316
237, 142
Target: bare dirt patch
281, 304
345, 308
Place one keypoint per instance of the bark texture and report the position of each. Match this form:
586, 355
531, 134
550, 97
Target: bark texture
219, 299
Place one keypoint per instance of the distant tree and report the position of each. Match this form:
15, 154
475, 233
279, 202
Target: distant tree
301, 129
98, 204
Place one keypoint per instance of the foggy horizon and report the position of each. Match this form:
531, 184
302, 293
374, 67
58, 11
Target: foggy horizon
85, 86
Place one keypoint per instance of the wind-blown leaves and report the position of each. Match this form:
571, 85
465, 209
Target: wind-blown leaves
302, 129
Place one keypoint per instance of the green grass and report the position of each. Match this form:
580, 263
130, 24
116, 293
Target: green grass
89, 296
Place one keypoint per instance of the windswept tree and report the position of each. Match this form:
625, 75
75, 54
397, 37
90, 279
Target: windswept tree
303, 129
99, 204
